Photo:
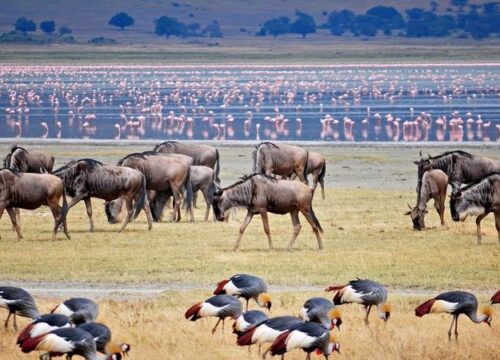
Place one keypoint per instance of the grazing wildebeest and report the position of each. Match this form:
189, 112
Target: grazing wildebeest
261, 194
30, 191
316, 165
434, 184
165, 174
205, 155
87, 178
478, 199
23, 160
285, 160
460, 166
202, 179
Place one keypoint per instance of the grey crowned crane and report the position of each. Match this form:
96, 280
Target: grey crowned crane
267, 331
309, 337
43, 325
455, 303
79, 310
365, 292
321, 310
221, 306
247, 319
19, 302
69, 341
247, 287
103, 338
495, 299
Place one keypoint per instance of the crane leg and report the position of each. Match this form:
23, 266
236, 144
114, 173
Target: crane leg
456, 329
451, 326
368, 309
15, 322
215, 327
265, 353
246, 309
7, 321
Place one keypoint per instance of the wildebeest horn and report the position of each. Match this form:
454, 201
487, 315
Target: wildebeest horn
420, 153
409, 206
429, 156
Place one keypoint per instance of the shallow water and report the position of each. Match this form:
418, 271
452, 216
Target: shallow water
252, 102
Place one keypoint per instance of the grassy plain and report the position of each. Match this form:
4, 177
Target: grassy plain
366, 235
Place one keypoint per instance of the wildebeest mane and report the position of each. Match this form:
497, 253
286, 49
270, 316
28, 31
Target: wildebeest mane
459, 152
260, 157
136, 155
468, 186
13, 171
245, 178
18, 162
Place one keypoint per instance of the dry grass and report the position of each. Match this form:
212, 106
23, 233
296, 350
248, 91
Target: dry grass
156, 329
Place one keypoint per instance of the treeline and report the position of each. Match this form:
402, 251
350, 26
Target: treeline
480, 21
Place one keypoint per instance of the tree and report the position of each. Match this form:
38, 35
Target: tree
48, 27
365, 25
459, 3
304, 24
213, 30
64, 30
434, 5
169, 26
388, 17
24, 25
121, 20
339, 22
275, 27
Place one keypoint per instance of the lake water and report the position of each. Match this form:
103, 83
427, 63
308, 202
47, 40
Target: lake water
337, 103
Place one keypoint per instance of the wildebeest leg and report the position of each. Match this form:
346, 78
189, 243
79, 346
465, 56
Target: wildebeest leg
296, 228
307, 215
497, 224
18, 219
12, 215
315, 182
439, 205
267, 230
300, 174
478, 229
56, 213
130, 212
247, 220
207, 211
75, 201
147, 210
88, 204
177, 203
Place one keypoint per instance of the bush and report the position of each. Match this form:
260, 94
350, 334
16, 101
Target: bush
169, 26
102, 41
64, 30
48, 27
24, 25
121, 20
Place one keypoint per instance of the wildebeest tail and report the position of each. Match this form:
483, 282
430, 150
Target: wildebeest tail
323, 171
305, 166
64, 209
316, 221
189, 191
217, 165
142, 197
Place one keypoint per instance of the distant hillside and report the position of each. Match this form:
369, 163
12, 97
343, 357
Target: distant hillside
239, 19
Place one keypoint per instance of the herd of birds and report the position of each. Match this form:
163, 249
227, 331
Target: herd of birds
69, 329
452, 103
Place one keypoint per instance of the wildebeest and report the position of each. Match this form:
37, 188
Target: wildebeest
460, 166
205, 155
478, 199
30, 191
261, 194
434, 184
87, 178
165, 174
23, 160
285, 160
316, 165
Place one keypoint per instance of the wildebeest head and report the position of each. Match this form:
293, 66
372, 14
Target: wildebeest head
157, 203
217, 202
113, 209
417, 217
455, 199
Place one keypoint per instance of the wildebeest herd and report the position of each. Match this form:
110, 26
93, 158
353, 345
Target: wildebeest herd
147, 180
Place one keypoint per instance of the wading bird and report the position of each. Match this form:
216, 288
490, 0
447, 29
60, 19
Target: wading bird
321, 310
43, 325
19, 302
247, 319
103, 338
246, 286
365, 292
79, 310
221, 306
455, 303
